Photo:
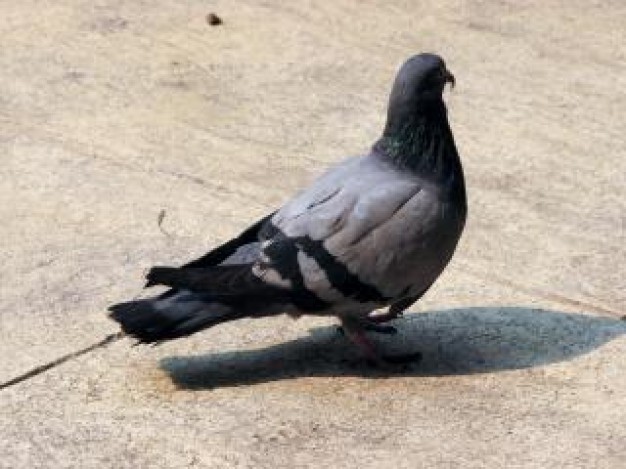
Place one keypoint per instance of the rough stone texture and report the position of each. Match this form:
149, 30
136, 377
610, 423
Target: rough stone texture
112, 111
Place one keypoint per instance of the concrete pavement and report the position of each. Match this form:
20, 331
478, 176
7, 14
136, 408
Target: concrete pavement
112, 112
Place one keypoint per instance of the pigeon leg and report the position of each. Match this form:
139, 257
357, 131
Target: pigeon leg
355, 331
356, 334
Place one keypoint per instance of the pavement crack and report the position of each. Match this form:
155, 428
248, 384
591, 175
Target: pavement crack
59, 361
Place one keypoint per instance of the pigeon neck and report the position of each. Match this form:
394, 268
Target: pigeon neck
421, 142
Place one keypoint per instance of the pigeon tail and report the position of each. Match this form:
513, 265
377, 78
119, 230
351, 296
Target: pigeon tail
156, 320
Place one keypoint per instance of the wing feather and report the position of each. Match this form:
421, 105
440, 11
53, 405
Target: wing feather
324, 234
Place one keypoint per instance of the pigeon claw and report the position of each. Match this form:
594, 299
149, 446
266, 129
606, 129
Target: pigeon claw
355, 331
396, 363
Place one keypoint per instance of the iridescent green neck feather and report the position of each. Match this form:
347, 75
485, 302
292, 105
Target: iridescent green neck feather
421, 141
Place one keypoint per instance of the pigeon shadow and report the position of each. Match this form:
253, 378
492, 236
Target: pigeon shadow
452, 342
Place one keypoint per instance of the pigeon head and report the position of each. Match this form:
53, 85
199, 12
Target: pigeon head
419, 84
417, 134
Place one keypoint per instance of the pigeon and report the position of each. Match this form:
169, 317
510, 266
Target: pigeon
374, 231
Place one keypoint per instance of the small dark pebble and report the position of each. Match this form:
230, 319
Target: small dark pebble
213, 19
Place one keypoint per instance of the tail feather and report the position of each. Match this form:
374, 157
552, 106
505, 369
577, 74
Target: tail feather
201, 298
154, 320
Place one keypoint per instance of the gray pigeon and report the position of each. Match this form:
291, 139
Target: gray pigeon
373, 231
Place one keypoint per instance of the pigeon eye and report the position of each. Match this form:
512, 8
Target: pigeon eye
433, 79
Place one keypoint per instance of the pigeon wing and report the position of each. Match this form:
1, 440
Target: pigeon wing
337, 240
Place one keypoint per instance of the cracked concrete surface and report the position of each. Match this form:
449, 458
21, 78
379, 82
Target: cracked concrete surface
113, 112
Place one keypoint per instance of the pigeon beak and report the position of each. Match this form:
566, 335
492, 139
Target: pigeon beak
449, 78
